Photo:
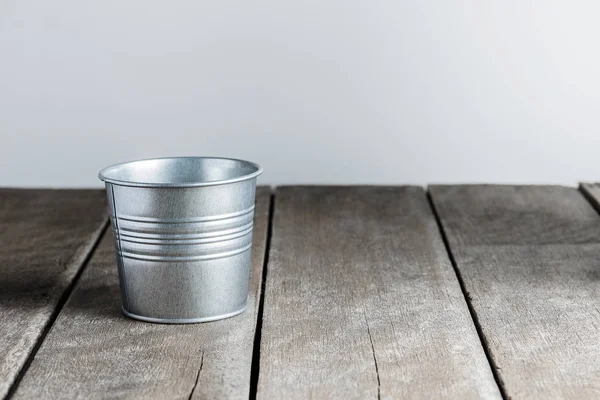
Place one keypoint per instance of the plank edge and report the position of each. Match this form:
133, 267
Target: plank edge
83, 260
483, 340
255, 363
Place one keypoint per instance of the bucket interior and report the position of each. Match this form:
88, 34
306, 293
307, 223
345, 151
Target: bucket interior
180, 171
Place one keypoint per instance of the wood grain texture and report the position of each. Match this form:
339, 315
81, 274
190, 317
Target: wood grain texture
529, 257
361, 301
93, 351
45, 236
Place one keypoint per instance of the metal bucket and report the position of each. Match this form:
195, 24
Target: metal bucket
183, 233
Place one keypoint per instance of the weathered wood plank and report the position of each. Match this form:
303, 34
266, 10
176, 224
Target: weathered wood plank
528, 256
93, 351
45, 236
361, 301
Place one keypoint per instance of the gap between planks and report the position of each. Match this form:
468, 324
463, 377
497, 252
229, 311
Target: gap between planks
528, 256
484, 342
255, 366
587, 189
59, 306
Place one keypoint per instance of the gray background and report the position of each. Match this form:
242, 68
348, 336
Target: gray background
316, 91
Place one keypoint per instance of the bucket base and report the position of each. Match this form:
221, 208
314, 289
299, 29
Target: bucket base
182, 320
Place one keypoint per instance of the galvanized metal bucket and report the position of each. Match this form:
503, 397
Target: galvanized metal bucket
183, 233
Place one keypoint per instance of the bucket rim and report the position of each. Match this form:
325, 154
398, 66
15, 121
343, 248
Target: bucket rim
104, 173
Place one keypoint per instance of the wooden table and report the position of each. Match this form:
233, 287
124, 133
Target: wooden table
481, 291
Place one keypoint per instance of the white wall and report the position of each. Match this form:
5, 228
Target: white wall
316, 91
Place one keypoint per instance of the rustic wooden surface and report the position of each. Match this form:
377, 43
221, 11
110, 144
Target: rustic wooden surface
530, 260
45, 236
361, 301
93, 351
